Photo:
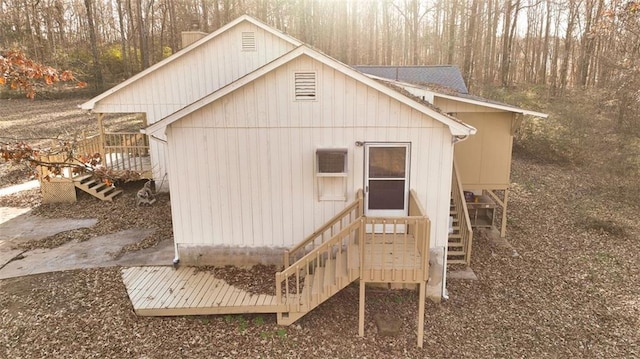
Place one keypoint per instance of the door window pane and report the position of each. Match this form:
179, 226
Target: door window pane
386, 194
387, 162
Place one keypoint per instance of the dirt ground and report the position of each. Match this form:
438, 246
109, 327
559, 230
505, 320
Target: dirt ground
574, 291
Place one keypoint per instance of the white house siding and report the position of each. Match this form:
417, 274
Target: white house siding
243, 167
181, 82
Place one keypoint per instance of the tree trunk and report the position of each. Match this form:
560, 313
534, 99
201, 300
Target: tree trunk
97, 69
470, 41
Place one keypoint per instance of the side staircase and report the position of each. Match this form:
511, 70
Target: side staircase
345, 250
95, 187
460, 231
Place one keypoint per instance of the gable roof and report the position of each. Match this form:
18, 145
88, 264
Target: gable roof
443, 75
456, 127
91, 103
466, 98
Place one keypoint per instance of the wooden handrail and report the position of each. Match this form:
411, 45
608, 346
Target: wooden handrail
327, 249
319, 233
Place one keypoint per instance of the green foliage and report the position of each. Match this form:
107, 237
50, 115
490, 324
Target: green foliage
259, 320
112, 62
166, 52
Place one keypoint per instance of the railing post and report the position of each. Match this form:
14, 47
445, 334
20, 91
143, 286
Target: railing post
279, 288
286, 259
102, 137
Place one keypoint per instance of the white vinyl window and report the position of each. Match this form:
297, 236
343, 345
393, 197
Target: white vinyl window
305, 85
331, 174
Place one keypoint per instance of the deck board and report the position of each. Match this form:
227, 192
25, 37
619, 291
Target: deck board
164, 291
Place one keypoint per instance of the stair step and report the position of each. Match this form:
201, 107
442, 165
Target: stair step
306, 289
318, 281
455, 235
456, 261
453, 213
329, 274
455, 253
341, 265
82, 178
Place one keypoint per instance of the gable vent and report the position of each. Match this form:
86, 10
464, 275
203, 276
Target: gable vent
248, 41
305, 86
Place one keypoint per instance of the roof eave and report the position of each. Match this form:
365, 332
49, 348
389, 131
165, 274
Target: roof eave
457, 128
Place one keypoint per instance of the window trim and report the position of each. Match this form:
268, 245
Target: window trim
343, 151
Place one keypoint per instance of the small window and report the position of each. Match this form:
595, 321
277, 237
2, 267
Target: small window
331, 162
305, 86
331, 174
248, 41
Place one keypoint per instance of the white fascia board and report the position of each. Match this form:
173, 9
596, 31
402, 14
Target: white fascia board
456, 128
493, 105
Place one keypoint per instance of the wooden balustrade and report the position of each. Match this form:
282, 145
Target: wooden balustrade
399, 254
348, 215
293, 286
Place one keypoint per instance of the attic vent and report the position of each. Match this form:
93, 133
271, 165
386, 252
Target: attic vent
305, 86
248, 41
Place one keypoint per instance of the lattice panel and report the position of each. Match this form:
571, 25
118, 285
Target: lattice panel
58, 192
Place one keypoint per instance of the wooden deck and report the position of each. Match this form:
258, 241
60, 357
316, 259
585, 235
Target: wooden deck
165, 291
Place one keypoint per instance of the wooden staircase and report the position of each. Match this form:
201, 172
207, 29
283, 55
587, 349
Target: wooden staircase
461, 233
95, 187
323, 280
456, 248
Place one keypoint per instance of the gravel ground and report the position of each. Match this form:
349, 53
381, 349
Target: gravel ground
572, 293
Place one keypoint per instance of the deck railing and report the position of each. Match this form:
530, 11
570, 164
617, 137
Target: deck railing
464, 221
89, 146
51, 168
398, 253
291, 288
121, 151
327, 231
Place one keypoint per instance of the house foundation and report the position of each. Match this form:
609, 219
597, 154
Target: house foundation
207, 255
436, 270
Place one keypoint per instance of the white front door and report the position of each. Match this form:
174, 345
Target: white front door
386, 181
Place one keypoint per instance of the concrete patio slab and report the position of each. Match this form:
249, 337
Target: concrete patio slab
96, 252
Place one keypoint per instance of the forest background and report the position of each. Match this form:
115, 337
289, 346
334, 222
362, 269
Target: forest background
578, 60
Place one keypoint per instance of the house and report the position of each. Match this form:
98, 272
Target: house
484, 160
270, 147
204, 65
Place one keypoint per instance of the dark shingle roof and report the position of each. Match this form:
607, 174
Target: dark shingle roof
443, 75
